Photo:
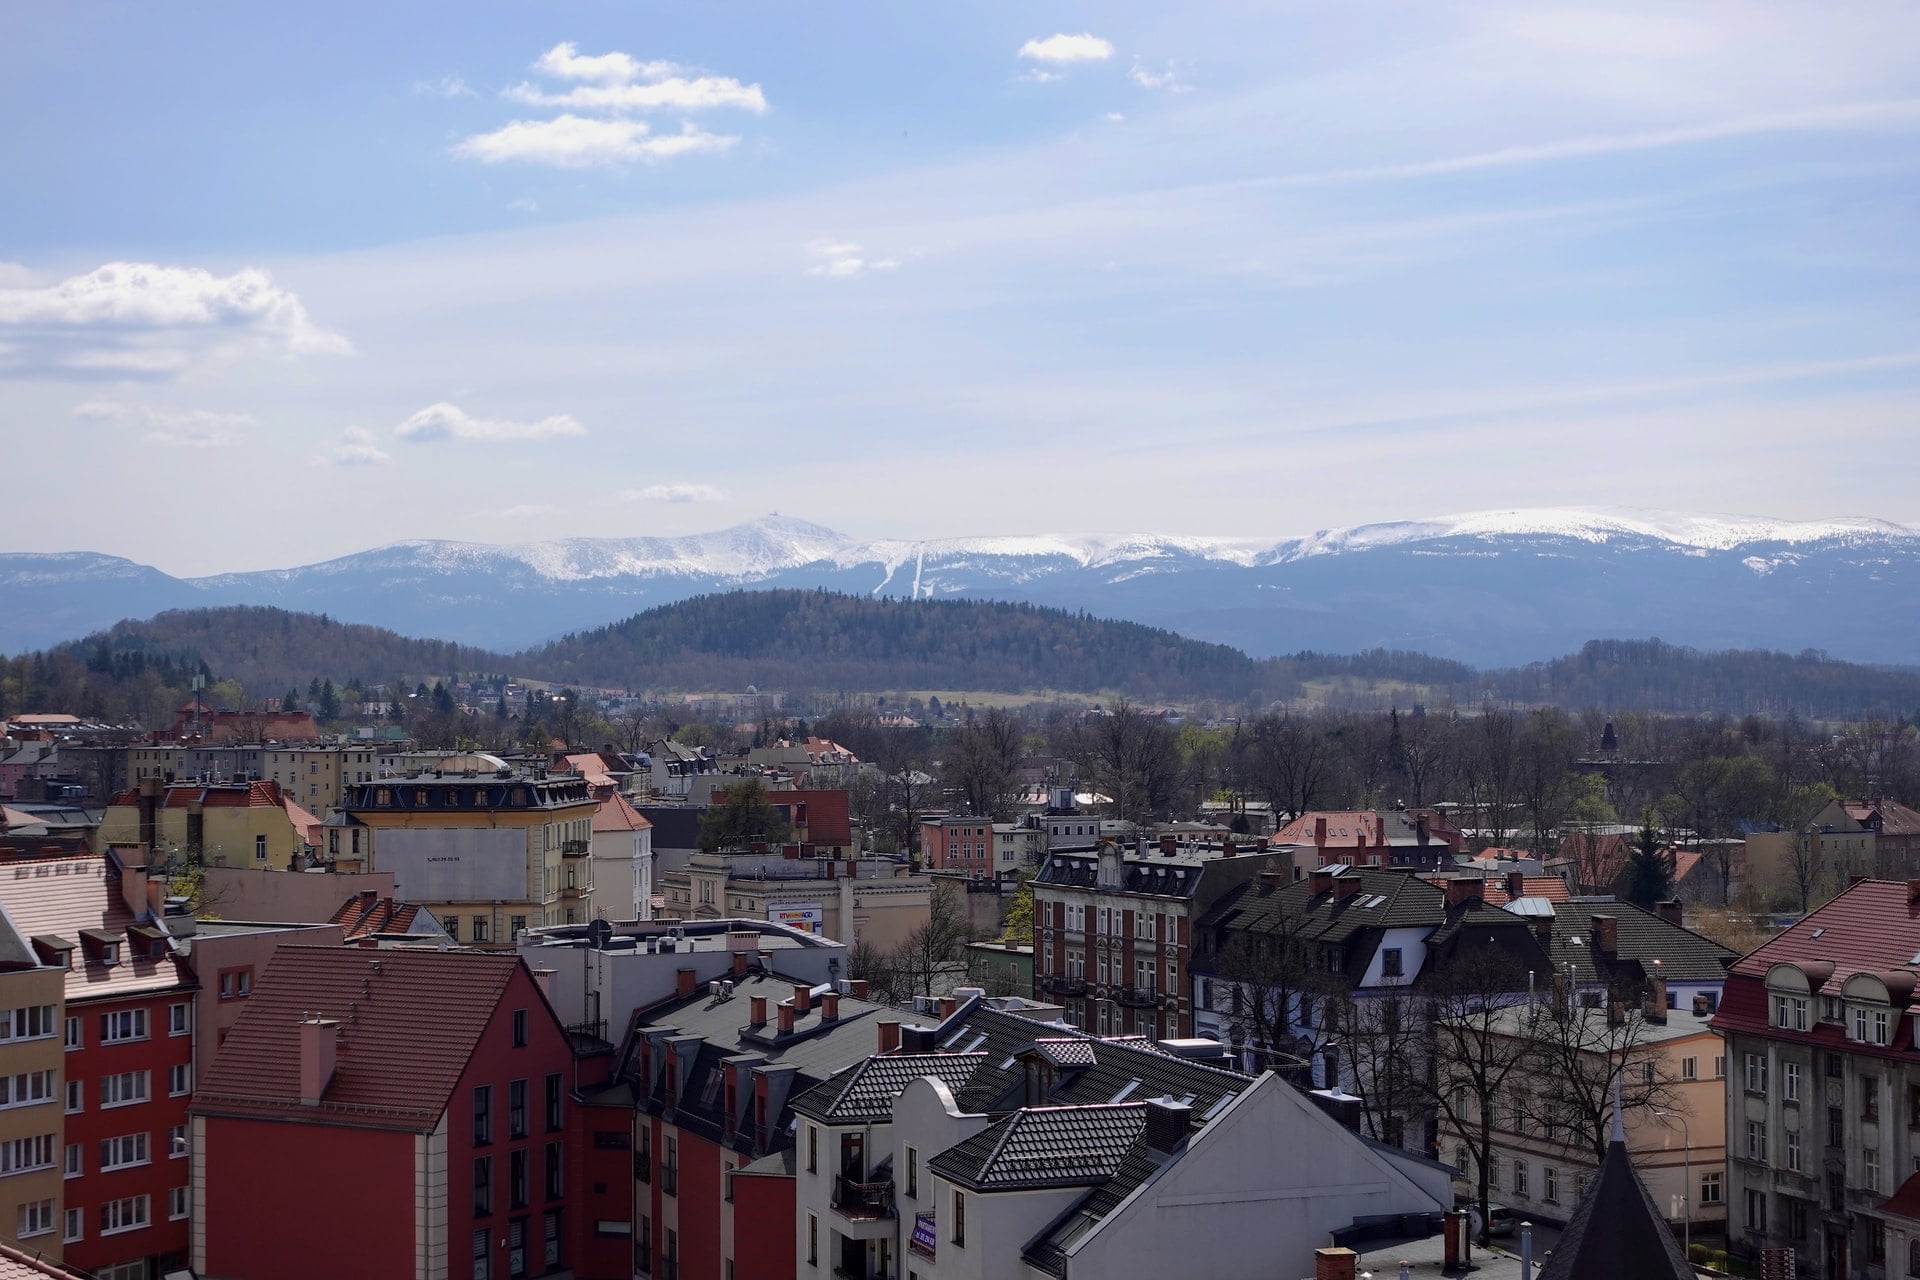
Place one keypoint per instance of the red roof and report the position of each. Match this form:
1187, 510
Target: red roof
615, 814
223, 795
409, 1022
1905, 1202
1870, 925
368, 913
63, 896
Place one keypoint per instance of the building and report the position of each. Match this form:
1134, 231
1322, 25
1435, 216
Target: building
489, 851
1376, 837
127, 1030
226, 824
228, 956
676, 766
32, 1005
191, 762
961, 843
622, 859
994, 1145
1616, 1228
318, 775
713, 1079
1113, 934
819, 818
871, 899
1824, 1089
424, 1094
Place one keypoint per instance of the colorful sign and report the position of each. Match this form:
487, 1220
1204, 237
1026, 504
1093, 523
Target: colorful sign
804, 916
924, 1235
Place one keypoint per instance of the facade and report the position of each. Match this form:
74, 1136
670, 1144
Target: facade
32, 1007
127, 1034
962, 843
318, 776
622, 858
1616, 1228
856, 899
228, 957
232, 824
1113, 935
1823, 1096
1376, 837
426, 1094
490, 852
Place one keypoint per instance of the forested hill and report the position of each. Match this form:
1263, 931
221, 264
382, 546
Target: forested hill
826, 641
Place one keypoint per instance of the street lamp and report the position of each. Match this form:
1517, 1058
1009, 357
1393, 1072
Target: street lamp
1686, 1177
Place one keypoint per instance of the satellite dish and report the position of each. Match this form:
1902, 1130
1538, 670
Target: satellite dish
600, 932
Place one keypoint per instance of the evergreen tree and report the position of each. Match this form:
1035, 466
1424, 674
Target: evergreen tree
290, 701
1649, 871
329, 710
745, 814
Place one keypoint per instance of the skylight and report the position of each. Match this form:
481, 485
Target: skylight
1817, 932
1126, 1090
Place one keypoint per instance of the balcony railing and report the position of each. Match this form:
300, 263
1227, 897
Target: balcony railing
855, 1199
576, 848
1055, 985
1137, 997
575, 890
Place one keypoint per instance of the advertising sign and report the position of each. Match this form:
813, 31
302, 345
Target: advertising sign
804, 916
924, 1235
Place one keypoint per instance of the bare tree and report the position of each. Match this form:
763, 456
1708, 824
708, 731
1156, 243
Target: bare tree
1266, 977
1134, 759
980, 761
929, 950
1381, 1039
1288, 760
1580, 1055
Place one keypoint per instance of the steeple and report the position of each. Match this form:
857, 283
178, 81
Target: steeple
1616, 1230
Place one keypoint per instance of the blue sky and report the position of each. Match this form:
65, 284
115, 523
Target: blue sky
286, 284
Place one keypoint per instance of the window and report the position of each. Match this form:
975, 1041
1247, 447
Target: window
75, 1162
34, 1022
1790, 1081
128, 1024
1550, 1184
518, 924
1836, 1067
670, 1167
519, 1028
554, 1175
482, 1114
74, 1037
643, 1155
1689, 1068
73, 1226
913, 1173
556, 1092
179, 1145
1836, 1127
1756, 1210
1720, 1067
1870, 1099
1390, 962
959, 1217
517, 1109
36, 1218
259, 848
1756, 1140
1713, 1188
550, 1241
123, 1152
179, 1019
1757, 1073
451, 923
517, 1179
124, 1089
236, 984
27, 1089
813, 1148
1520, 1178
482, 1186
479, 928
129, 1214
178, 1201
179, 1080
1793, 1150
1870, 1166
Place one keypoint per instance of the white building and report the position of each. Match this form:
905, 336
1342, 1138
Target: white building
622, 861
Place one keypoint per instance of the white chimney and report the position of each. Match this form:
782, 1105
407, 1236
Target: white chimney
319, 1049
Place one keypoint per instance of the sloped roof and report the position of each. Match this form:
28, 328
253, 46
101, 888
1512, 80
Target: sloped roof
1641, 937
66, 897
409, 1022
1868, 925
1616, 1231
1039, 1147
865, 1091
17, 1263
1905, 1202
616, 813
366, 914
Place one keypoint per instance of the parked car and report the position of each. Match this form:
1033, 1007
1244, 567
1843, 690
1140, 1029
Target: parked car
1501, 1221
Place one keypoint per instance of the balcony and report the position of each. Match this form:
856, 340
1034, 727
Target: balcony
1137, 997
575, 890
862, 1201
575, 848
1055, 985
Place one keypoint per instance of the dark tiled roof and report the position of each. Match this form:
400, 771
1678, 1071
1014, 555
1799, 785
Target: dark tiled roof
1616, 1232
1049, 1251
865, 1091
1640, 938
1039, 1147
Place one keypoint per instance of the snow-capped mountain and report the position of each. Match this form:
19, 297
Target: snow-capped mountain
1491, 587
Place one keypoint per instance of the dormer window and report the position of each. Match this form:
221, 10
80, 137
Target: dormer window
103, 948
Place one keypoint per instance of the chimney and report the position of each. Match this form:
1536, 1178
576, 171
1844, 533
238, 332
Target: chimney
1274, 876
1606, 934
1516, 884
1673, 913
150, 789
1657, 1001
319, 1047
756, 1011
1320, 832
1346, 887
543, 978
918, 1039
1913, 892
786, 1018
802, 998
1168, 845
1334, 1264
1320, 881
948, 1006
1560, 990
1420, 828
1465, 889
857, 988
1228, 848
888, 1030
1168, 1124
685, 982
739, 964
1616, 1013
830, 1007
1342, 1107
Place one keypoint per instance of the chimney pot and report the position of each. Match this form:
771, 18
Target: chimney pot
888, 1030
830, 1007
786, 1018
802, 998
685, 981
757, 1011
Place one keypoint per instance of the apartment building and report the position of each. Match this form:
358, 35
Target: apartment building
960, 843
1113, 934
1823, 1100
318, 776
229, 824
127, 1036
32, 1071
1377, 837
489, 851
875, 900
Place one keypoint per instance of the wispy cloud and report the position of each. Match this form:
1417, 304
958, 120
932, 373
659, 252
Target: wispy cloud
444, 87
842, 259
675, 491
444, 421
1061, 49
676, 93
139, 319
521, 511
357, 448
565, 62
1147, 78
575, 142
181, 428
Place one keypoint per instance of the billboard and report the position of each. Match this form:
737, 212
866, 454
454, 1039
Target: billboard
455, 864
804, 916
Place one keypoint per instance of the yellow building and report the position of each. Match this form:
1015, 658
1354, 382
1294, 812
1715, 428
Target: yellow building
317, 777
32, 1128
237, 824
874, 900
489, 851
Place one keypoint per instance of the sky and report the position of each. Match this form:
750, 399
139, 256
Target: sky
281, 283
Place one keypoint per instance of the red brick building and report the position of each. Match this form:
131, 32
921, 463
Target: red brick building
127, 1025
960, 843
1376, 837
818, 818
388, 1113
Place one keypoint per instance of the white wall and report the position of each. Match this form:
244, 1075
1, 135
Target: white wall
455, 864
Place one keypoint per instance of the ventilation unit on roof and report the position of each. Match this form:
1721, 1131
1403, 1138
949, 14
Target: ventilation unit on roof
1817, 932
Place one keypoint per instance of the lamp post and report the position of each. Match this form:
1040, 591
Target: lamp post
1686, 1176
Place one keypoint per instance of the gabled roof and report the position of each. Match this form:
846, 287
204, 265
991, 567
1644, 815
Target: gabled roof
864, 1092
616, 813
1870, 925
1040, 1147
367, 914
69, 897
1616, 1231
1641, 938
409, 1022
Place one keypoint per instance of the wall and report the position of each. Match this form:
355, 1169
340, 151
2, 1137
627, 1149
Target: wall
765, 1252
21, 989
456, 864
340, 1200
241, 893
213, 953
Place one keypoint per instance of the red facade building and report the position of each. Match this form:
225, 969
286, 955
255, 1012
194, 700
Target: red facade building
962, 843
388, 1113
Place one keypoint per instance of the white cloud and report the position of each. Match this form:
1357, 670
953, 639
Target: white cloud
444, 87
1115, 117
676, 491
182, 428
565, 62
575, 142
675, 93
1062, 48
357, 448
525, 204
521, 511
444, 421
1147, 78
139, 319
841, 259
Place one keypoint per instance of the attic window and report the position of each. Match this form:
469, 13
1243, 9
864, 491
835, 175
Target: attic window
1817, 932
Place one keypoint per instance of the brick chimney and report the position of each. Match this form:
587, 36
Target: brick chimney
1168, 846
1168, 1124
1657, 1001
1465, 889
1913, 893
1674, 913
1516, 883
543, 978
1346, 887
948, 1007
888, 1030
1606, 934
1320, 832
1334, 1264
1321, 881
685, 982
740, 964
802, 998
756, 1011
786, 1018
830, 1007
319, 1050
1420, 828
858, 988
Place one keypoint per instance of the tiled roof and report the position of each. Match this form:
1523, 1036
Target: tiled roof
258, 794
65, 897
366, 914
1616, 1231
617, 814
865, 1091
409, 1021
1066, 1053
1868, 925
1640, 939
1039, 1147
1905, 1202
19, 1264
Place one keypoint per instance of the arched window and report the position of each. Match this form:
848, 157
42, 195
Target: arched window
1913, 1257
